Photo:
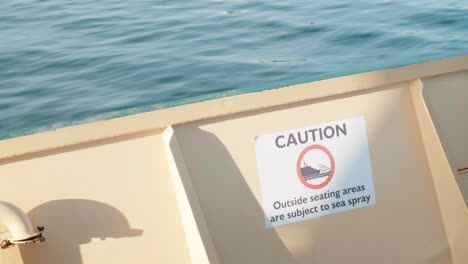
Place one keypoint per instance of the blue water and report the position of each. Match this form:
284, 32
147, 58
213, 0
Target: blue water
63, 59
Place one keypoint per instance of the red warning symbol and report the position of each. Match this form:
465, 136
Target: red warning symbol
315, 166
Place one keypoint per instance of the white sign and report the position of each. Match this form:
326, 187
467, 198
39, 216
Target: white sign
314, 171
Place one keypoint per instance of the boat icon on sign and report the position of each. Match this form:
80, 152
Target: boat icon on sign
309, 172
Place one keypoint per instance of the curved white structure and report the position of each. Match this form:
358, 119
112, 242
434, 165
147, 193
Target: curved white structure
15, 227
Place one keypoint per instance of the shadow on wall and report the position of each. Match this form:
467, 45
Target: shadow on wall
70, 223
233, 215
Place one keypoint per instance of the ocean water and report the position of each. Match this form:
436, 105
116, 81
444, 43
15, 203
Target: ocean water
63, 60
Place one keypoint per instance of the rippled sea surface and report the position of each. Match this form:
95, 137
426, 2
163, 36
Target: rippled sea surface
63, 59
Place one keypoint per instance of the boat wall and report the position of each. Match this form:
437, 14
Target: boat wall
181, 185
446, 100
407, 211
107, 201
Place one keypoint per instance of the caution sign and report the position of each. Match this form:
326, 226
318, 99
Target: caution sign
314, 171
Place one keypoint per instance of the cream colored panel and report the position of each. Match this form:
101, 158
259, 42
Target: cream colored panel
106, 202
404, 226
447, 100
463, 183
450, 200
